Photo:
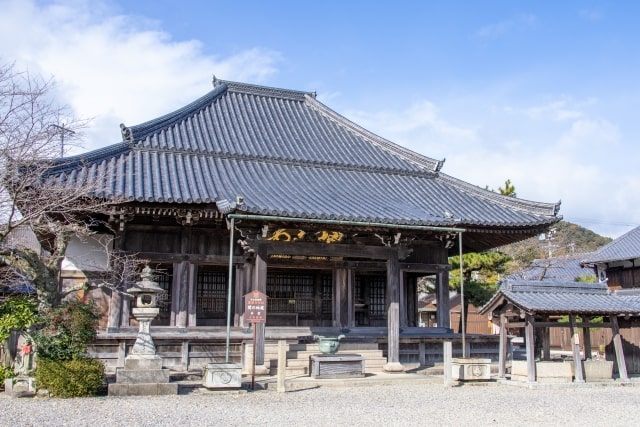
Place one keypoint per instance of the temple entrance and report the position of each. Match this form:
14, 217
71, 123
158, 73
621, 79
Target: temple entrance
370, 302
299, 297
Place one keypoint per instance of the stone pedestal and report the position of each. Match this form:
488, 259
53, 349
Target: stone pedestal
470, 369
598, 370
142, 376
222, 375
19, 385
336, 366
546, 372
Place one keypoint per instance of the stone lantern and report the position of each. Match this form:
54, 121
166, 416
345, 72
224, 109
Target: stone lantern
143, 373
146, 309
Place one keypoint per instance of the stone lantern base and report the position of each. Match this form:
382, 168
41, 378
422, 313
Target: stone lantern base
142, 376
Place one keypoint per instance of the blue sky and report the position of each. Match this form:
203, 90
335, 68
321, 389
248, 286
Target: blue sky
544, 93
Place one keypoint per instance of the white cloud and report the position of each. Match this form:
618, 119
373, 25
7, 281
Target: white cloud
503, 28
558, 150
112, 69
419, 127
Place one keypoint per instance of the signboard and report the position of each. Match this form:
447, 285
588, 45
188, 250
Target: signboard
255, 307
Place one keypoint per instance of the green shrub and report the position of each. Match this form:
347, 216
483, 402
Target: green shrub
70, 378
16, 313
66, 330
5, 372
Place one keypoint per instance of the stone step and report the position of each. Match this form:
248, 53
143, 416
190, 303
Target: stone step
344, 346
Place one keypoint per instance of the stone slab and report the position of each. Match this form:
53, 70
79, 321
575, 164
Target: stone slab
336, 366
142, 363
546, 372
598, 370
128, 376
149, 389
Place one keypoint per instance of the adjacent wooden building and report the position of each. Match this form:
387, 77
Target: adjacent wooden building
259, 188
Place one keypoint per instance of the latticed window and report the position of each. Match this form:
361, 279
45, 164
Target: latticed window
164, 278
211, 291
327, 293
290, 292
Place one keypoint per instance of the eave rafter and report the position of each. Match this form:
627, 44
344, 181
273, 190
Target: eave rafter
120, 215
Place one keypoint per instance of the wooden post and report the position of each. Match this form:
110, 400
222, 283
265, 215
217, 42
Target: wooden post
402, 305
575, 346
182, 297
502, 347
260, 284
393, 314
586, 333
442, 295
617, 345
447, 354
115, 316
546, 342
192, 278
530, 347
282, 366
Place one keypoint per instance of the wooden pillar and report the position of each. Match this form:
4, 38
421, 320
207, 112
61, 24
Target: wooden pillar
351, 302
617, 345
341, 307
546, 342
586, 333
192, 278
502, 347
181, 296
402, 288
242, 273
260, 284
530, 347
115, 316
575, 347
175, 294
442, 295
393, 314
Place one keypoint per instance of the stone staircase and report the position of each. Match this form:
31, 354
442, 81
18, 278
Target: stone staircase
298, 356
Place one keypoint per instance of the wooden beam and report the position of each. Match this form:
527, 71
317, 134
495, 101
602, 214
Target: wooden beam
330, 250
424, 268
617, 345
196, 259
575, 347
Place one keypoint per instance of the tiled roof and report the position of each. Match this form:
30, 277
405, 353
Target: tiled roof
625, 247
561, 298
631, 295
289, 155
564, 269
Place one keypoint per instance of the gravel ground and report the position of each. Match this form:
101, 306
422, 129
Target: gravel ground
406, 404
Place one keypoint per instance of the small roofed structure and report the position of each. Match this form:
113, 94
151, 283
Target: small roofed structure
537, 304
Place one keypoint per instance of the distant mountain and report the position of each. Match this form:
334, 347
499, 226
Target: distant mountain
564, 238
